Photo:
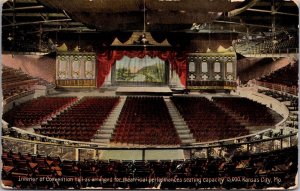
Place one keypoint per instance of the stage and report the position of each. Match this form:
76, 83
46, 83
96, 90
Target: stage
158, 91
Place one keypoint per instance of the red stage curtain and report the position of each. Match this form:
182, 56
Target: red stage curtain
107, 58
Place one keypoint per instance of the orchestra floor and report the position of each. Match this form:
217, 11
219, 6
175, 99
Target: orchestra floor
158, 91
130, 91
135, 154
138, 155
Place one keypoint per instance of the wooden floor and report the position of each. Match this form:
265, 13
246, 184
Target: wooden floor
138, 155
163, 91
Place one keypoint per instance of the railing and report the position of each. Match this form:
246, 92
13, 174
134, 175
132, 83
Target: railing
14, 97
287, 50
278, 87
257, 50
19, 83
260, 52
270, 102
265, 48
265, 141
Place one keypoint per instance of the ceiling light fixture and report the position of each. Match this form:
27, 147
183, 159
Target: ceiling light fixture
10, 38
143, 40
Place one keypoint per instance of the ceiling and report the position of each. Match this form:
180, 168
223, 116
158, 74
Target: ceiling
166, 15
28, 21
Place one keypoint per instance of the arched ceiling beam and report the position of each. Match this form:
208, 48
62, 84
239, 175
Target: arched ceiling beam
240, 10
36, 22
272, 12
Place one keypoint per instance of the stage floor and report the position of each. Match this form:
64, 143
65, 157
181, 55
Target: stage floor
162, 91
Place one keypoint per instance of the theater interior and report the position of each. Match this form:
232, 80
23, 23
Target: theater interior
150, 94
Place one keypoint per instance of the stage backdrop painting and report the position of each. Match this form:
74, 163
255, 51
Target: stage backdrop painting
140, 70
147, 66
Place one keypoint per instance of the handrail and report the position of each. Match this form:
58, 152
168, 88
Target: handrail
14, 97
106, 146
23, 82
151, 148
278, 87
56, 139
278, 107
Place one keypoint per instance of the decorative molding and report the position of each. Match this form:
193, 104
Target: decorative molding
136, 40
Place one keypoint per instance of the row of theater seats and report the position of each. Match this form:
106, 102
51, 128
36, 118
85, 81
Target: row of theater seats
11, 75
206, 121
287, 76
255, 114
291, 103
15, 82
278, 43
9, 93
145, 120
37, 110
250, 171
282, 97
81, 121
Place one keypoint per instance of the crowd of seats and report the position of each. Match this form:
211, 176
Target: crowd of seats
281, 42
18, 95
15, 82
35, 111
249, 171
206, 121
282, 97
81, 121
145, 120
287, 76
10, 75
254, 113
291, 103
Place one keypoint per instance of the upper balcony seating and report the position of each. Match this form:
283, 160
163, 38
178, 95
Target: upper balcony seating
287, 76
15, 82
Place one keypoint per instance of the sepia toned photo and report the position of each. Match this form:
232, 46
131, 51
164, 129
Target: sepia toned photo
149, 94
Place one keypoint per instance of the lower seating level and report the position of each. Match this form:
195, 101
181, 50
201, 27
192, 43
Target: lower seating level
35, 111
255, 114
145, 120
26, 171
81, 121
206, 121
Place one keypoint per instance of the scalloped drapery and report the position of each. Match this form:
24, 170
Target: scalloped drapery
106, 59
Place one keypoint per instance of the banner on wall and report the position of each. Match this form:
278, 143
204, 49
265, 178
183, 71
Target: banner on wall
76, 70
212, 71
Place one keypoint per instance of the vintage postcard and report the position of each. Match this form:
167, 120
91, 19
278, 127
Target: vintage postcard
149, 94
